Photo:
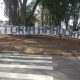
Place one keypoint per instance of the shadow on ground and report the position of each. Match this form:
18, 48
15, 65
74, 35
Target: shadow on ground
40, 46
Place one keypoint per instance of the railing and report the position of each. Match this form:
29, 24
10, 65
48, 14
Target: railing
33, 30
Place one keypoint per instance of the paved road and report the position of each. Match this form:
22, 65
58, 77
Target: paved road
66, 68
25, 67
29, 67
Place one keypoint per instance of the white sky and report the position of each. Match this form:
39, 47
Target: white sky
2, 17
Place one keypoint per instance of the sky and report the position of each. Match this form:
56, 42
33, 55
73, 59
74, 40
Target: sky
2, 7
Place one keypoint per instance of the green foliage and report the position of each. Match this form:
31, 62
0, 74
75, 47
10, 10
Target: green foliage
63, 10
19, 12
52, 12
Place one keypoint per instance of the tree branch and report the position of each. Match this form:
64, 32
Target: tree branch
34, 7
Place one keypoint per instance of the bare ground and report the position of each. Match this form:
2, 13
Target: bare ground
35, 45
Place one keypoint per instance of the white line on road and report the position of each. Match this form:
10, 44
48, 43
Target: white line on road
27, 61
26, 66
25, 76
34, 57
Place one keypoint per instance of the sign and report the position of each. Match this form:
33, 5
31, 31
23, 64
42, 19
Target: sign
22, 30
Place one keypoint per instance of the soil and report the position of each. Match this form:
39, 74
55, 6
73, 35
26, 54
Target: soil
40, 45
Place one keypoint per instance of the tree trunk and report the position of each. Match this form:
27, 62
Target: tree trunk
23, 13
42, 15
75, 22
66, 21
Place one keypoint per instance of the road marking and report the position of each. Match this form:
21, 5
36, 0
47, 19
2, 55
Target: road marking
25, 76
26, 66
33, 57
27, 61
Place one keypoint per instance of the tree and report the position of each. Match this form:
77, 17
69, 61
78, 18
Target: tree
11, 11
53, 12
63, 10
17, 10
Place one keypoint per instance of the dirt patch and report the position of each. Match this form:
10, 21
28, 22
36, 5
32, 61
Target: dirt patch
36, 45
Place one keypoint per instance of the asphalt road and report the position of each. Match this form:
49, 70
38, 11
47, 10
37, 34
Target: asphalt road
38, 67
66, 68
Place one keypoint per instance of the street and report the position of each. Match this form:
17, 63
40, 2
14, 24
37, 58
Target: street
25, 67
38, 67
